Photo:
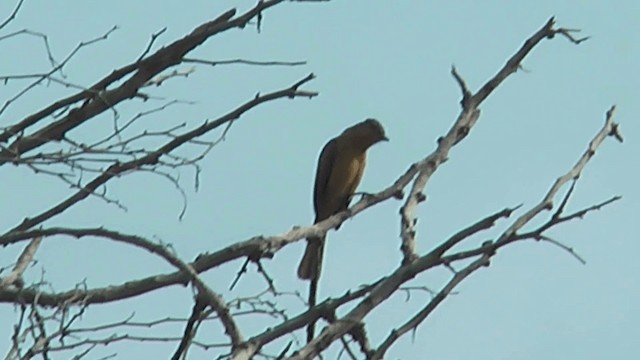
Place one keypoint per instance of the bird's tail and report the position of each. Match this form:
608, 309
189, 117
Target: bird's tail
311, 262
309, 269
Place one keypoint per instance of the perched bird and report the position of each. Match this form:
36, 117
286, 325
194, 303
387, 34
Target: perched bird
340, 169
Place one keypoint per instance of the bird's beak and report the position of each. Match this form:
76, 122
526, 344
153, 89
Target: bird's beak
385, 139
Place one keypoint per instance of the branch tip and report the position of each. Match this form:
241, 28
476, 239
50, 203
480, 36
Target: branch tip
466, 94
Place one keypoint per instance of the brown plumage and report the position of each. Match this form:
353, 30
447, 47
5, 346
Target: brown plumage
340, 167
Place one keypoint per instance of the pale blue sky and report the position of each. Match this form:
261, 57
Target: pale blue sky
382, 59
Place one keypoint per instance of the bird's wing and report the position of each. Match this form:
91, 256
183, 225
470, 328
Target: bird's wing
359, 165
323, 174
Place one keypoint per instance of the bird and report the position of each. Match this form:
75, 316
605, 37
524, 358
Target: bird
339, 171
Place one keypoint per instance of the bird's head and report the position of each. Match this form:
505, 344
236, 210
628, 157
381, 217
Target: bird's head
375, 129
366, 133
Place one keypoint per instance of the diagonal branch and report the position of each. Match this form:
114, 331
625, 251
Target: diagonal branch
417, 319
13, 14
512, 65
484, 224
98, 98
153, 157
210, 297
426, 168
610, 128
557, 218
56, 67
25, 258
250, 347
466, 119
510, 234
253, 248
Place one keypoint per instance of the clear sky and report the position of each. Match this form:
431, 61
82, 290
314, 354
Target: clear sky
382, 59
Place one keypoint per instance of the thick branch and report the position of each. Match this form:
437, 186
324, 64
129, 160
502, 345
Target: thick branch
417, 319
248, 349
389, 285
255, 247
153, 157
209, 296
460, 129
99, 99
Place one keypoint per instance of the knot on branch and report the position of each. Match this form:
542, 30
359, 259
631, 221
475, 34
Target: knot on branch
398, 194
463, 131
615, 132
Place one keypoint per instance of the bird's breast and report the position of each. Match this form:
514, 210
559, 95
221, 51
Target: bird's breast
347, 173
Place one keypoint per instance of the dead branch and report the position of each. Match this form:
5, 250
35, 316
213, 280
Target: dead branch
121, 151
243, 62
57, 67
460, 129
610, 129
412, 264
12, 15
15, 277
416, 320
98, 99
153, 157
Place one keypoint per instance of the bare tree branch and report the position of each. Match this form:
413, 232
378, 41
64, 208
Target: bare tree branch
244, 62
154, 156
547, 202
49, 323
417, 319
14, 278
412, 264
99, 99
15, 149
460, 129
13, 15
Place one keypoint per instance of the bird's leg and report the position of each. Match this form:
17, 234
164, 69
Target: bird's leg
361, 193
